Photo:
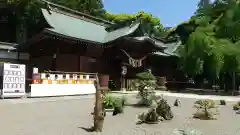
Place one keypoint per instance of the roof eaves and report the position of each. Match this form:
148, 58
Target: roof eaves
161, 54
113, 35
147, 38
171, 48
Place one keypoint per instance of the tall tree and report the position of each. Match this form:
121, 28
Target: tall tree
211, 38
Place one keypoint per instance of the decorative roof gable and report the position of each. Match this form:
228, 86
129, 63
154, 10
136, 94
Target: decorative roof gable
72, 26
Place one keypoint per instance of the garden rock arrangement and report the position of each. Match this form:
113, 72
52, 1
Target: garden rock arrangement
164, 110
161, 112
177, 103
238, 112
150, 118
223, 102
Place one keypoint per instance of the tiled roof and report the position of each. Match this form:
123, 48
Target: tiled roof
75, 27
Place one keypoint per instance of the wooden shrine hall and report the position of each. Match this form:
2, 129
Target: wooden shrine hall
76, 42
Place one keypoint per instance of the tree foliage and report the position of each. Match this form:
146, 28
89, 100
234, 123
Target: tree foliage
31, 8
150, 25
211, 39
91, 7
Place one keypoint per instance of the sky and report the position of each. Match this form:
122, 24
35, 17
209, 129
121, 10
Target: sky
170, 12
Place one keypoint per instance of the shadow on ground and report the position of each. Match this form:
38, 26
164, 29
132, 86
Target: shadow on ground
87, 129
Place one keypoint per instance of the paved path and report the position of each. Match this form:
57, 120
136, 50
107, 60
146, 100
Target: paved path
45, 99
186, 95
45, 116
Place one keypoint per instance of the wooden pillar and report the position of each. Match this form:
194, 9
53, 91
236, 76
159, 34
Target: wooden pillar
123, 83
18, 57
54, 60
123, 78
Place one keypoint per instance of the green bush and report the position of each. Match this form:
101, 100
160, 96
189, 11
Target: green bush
145, 84
108, 102
164, 110
205, 109
206, 102
119, 105
146, 76
236, 107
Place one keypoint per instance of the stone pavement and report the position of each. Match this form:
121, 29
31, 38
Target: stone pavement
187, 95
45, 116
68, 115
43, 99
62, 116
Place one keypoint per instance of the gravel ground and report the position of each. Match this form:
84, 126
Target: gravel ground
67, 116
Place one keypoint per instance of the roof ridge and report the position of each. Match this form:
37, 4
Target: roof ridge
76, 16
118, 26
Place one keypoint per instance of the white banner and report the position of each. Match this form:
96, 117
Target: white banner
13, 79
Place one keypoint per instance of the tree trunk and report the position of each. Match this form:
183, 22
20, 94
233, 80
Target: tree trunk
98, 109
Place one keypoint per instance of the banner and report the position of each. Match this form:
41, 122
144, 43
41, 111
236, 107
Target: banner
13, 79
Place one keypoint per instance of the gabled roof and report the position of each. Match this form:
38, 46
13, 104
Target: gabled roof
73, 26
170, 50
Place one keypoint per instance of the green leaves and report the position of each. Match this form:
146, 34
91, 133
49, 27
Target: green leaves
211, 39
150, 25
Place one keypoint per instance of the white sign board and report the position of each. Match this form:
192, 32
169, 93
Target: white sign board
13, 80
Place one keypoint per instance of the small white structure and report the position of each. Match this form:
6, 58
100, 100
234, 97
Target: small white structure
49, 90
61, 84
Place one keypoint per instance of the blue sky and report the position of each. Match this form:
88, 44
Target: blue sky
170, 12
